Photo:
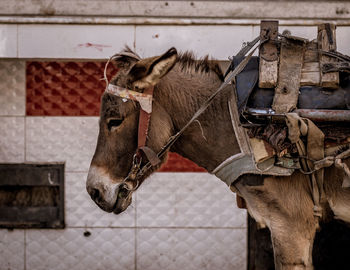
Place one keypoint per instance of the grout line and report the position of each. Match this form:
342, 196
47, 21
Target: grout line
17, 41
135, 252
136, 232
154, 227
25, 250
77, 171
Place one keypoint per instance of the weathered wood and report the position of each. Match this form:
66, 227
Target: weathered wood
268, 73
268, 68
29, 175
31, 195
310, 78
311, 67
291, 62
327, 42
28, 214
261, 149
311, 53
310, 74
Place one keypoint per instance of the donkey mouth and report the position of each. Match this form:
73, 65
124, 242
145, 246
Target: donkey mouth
122, 202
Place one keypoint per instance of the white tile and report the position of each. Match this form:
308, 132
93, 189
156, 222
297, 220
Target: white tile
8, 40
12, 139
343, 39
56, 139
81, 211
73, 41
12, 87
187, 200
219, 42
70, 249
172, 249
12, 249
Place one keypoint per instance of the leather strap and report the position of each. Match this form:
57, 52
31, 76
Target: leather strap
144, 120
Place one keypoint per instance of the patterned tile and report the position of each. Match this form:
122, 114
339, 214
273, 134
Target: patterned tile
12, 139
69, 139
203, 39
12, 87
187, 200
81, 211
210, 249
73, 41
12, 249
65, 88
77, 249
8, 40
343, 39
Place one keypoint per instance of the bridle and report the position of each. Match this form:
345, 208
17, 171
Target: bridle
145, 100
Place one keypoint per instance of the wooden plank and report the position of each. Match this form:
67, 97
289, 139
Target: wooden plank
310, 74
327, 42
291, 62
310, 78
29, 175
311, 53
311, 67
268, 73
268, 68
30, 217
261, 149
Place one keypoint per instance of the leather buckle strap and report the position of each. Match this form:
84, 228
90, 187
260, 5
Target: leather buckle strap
144, 120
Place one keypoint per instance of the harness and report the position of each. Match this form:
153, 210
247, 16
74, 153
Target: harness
310, 162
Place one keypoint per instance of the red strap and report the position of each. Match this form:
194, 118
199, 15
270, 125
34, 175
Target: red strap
144, 120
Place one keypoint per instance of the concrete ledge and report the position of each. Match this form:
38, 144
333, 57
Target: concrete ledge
95, 20
324, 10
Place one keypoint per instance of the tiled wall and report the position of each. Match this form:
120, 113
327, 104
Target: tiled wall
102, 41
178, 220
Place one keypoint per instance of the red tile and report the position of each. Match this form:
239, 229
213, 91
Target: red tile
65, 88
177, 163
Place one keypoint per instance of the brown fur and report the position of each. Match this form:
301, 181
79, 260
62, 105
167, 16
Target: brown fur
284, 204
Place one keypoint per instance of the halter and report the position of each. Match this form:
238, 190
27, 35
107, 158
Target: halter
145, 101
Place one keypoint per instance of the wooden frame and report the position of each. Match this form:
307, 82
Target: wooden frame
32, 195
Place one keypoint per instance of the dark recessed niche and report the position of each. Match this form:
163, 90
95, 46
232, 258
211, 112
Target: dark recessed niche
32, 195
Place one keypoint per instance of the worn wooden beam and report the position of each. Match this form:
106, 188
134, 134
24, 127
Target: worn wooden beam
310, 74
268, 54
311, 52
291, 62
327, 42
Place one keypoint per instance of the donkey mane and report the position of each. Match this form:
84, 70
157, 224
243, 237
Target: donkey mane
188, 61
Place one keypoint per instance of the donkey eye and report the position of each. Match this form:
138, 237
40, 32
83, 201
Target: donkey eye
113, 123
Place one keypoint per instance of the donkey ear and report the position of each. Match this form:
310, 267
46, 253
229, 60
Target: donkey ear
163, 64
149, 71
124, 59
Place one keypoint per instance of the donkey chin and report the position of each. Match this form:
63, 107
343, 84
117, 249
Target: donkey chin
111, 195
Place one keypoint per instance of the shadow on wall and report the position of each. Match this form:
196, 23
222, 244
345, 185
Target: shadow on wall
331, 247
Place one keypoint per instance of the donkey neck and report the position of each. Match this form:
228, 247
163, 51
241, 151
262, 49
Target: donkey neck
210, 140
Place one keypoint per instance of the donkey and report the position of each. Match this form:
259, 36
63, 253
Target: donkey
181, 85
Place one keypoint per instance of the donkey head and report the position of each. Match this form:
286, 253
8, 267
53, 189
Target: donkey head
118, 134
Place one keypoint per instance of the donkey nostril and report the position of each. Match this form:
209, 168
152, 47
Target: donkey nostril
95, 194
